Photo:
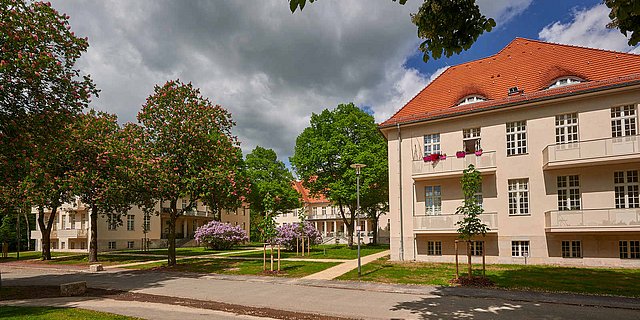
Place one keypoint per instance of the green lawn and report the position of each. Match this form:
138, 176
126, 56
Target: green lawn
51, 313
240, 267
104, 259
538, 278
183, 252
337, 251
27, 255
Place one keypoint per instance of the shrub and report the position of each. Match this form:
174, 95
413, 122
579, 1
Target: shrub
288, 234
220, 236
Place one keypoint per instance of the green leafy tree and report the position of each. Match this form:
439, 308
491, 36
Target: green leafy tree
102, 175
471, 226
192, 153
326, 149
450, 26
40, 93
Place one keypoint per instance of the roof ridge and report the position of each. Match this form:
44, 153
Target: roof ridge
579, 47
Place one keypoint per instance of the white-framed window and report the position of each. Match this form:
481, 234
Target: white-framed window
130, 244
112, 245
568, 192
564, 82
629, 249
433, 200
626, 189
519, 197
64, 222
471, 99
477, 247
571, 249
431, 144
516, 138
130, 222
315, 211
112, 222
184, 204
62, 245
324, 211
471, 140
83, 245
434, 248
147, 222
72, 220
519, 248
623, 121
567, 128
83, 221
478, 196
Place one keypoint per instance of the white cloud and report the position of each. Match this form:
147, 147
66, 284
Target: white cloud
587, 28
503, 10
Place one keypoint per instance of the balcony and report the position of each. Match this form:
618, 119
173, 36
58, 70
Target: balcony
331, 216
453, 166
447, 223
592, 152
71, 233
190, 212
593, 220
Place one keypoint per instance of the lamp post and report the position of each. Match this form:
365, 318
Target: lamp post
358, 166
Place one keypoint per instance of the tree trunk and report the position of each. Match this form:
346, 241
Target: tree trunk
469, 257
28, 226
45, 230
374, 226
349, 225
93, 240
173, 216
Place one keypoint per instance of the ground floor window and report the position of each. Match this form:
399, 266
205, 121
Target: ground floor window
112, 245
62, 245
72, 245
630, 249
83, 245
571, 249
129, 244
434, 248
477, 247
519, 248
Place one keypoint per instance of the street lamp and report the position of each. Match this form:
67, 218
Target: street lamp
358, 166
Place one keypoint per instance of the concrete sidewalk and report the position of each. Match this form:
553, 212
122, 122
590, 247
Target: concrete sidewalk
343, 268
144, 310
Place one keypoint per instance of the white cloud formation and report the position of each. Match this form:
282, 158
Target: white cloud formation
587, 28
502, 11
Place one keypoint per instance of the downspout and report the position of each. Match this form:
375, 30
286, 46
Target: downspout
400, 181
413, 214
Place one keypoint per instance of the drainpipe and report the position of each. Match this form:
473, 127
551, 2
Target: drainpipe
400, 181
413, 214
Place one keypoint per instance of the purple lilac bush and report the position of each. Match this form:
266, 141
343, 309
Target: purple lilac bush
290, 232
220, 236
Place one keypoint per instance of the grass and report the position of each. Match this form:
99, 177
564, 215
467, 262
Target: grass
337, 251
52, 313
600, 281
240, 267
27, 255
184, 252
104, 259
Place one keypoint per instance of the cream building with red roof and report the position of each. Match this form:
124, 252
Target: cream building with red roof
554, 130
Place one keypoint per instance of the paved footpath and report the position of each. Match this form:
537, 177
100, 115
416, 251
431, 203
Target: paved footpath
334, 272
342, 298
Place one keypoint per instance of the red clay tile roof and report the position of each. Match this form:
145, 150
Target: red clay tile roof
307, 198
531, 66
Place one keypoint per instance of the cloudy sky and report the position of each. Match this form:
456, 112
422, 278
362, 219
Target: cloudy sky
272, 69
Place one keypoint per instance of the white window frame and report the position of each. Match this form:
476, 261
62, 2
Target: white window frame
629, 249
564, 81
471, 136
626, 188
324, 211
111, 245
477, 247
571, 248
433, 200
518, 190
516, 137
131, 222
184, 204
130, 244
63, 225
431, 144
147, 222
567, 128
569, 196
471, 99
520, 248
434, 248
112, 224
624, 121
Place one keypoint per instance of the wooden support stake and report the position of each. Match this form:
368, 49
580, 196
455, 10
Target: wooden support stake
264, 257
483, 259
308, 247
303, 246
278, 257
457, 270
271, 257
297, 247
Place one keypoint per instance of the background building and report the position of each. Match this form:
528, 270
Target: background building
554, 131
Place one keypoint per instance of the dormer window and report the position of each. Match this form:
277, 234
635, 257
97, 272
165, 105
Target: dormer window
471, 99
565, 81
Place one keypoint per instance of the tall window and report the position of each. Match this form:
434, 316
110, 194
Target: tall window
630, 249
569, 192
519, 248
112, 245
431, 144
184, 204
567, 128
324, 211
434, 248
571, 249
64, 222
519, 197
477, 247
130, 244
83, 220
112, 222
72, 220
130, 222
623, 121
433, 200
626, 189
516, 138
471, 140
147, 222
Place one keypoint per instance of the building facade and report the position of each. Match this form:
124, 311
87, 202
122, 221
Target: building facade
552, 128
70, 231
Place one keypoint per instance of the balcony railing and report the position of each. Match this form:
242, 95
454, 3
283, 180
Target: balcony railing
72, 233
331, 216
190, 212
593, 220
448, 222
590, 151
453, 165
